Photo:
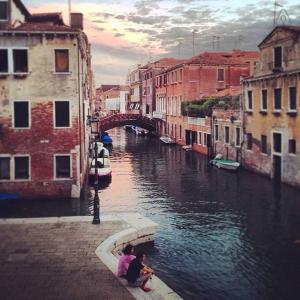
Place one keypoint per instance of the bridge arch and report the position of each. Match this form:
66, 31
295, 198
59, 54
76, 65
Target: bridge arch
118, 120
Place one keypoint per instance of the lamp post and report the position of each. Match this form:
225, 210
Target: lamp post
96, 219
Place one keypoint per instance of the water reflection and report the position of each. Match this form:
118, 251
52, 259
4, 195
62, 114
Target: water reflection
222, 235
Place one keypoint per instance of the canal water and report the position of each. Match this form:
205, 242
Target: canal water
222, 236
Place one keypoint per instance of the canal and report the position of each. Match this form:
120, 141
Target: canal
222, 236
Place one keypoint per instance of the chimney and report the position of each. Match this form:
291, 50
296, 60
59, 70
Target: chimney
76, 20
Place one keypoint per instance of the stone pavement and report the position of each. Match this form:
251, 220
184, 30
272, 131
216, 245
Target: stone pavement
57, 260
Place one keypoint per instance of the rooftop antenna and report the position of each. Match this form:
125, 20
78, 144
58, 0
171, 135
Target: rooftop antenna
194, 32
216, 42
282, 16
69, 8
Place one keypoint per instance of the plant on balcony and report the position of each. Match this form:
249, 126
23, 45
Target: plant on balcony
202, 108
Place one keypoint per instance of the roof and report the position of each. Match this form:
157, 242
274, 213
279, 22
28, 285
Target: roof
292, 28
107, 87
228, 92
41, 22
38, 26
216, 58
55, 18
22, 8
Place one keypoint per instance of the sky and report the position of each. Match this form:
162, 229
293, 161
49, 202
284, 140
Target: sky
125, 33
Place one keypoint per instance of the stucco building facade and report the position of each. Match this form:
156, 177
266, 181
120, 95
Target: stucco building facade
271, 104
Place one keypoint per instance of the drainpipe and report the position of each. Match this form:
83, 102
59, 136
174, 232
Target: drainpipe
79, 104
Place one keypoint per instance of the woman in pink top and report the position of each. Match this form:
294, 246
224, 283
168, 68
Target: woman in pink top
124, 260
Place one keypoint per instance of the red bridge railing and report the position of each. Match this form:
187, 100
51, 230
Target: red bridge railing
118, 120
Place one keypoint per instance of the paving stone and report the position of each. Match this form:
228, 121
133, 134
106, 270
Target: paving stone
53, 261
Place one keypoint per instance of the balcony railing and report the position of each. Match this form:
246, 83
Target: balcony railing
159, 115
196, 121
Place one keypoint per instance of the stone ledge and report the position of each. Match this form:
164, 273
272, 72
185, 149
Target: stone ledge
141, 230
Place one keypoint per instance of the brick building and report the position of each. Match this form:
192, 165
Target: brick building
196, 79
149, 83
44, 101
271, 103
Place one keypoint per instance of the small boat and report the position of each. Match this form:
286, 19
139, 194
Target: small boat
106, 138
9, 196
167, 140
103, 167
225, 164
127, 127
187, 147
139, 130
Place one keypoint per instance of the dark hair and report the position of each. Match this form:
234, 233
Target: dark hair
127, 250
140, 254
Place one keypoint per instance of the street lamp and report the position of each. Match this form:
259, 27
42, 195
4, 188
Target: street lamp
96, 219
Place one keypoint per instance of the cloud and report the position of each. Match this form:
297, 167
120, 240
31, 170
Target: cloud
119, 34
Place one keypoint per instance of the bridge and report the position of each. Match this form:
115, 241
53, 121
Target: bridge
117, 120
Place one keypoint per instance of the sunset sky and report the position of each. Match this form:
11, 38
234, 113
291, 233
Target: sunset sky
124, 33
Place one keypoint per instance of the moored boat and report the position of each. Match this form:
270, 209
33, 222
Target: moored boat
106, 139
139, 130
187, 147
225, 164
103, 167
167, 140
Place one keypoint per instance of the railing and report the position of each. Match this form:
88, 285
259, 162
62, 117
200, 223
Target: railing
159, 115
117, 120
196, 121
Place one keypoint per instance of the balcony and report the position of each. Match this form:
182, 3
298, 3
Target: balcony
220, 85
159, 115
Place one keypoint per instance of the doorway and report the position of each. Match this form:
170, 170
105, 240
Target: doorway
277, 167
188, 137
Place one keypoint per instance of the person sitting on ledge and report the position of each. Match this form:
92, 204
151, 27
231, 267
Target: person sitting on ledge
125, 259
138, 273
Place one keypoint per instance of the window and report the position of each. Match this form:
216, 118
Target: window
180, 74
216, 132
226, 134
13, 60
264, 100
62, 166
200, 138
220, 74
204, 139
293, 98
21, 167
3, 59
238, 136
277, 99
147, 109
4, 168
277, 142
3, 10
20, 60
249, 141
264, 144
292, 146
61, 60
62, 114
21, 114
250, 106
277, 57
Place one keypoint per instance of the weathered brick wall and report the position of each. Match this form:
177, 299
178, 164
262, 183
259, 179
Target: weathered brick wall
41, 141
